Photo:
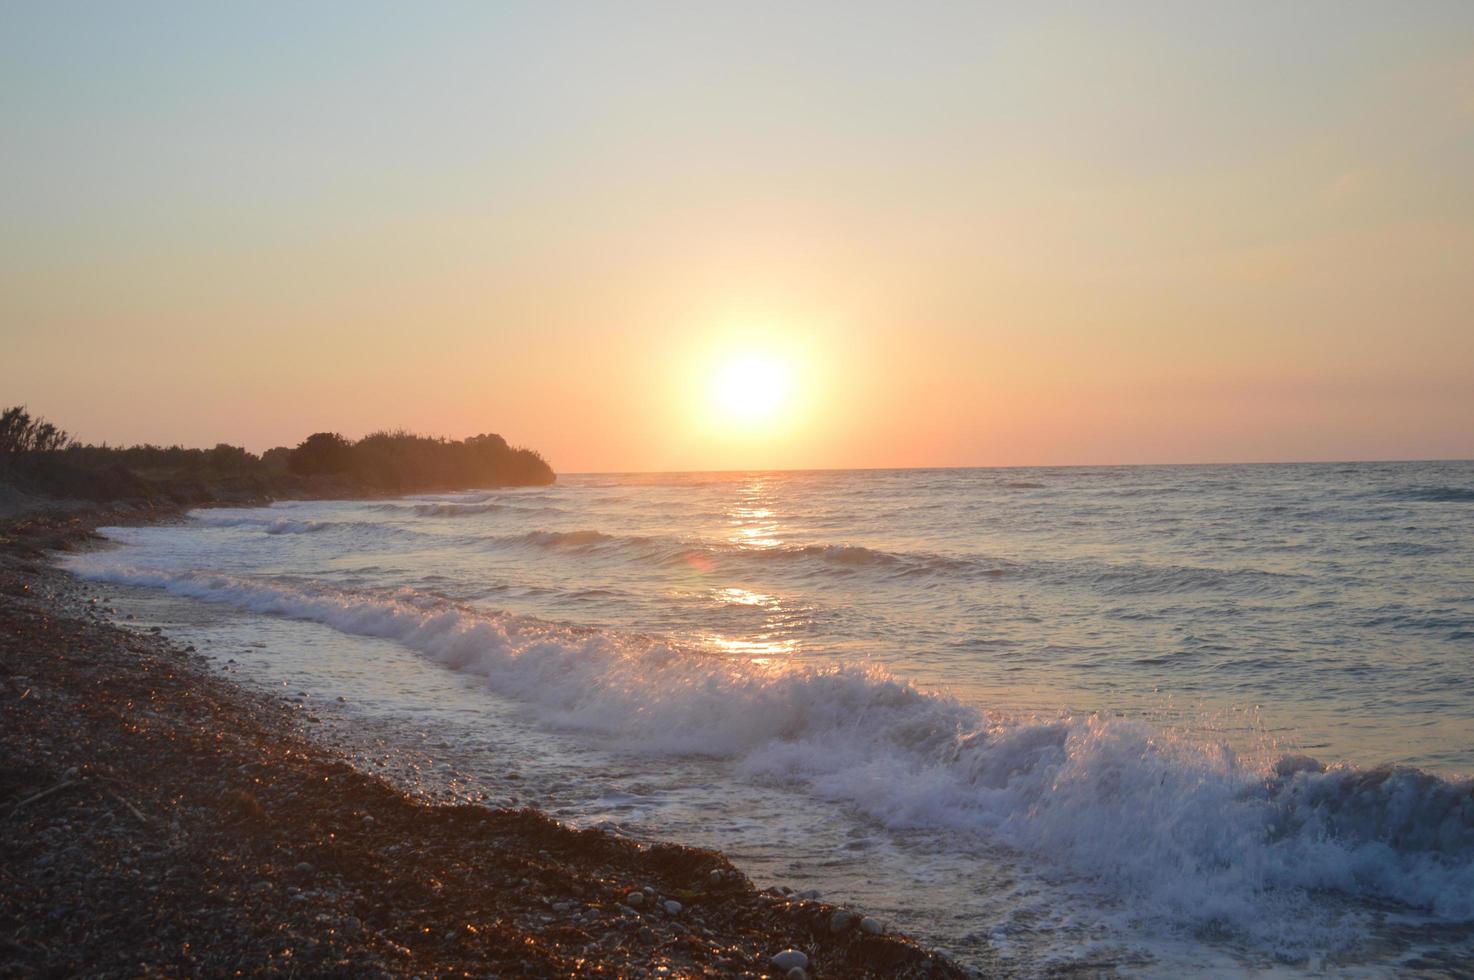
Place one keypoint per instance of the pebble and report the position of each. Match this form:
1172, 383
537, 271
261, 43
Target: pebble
789, 959
673, 908
871, 925
635, 899
841, 920
715, 878
305, 868
797, 973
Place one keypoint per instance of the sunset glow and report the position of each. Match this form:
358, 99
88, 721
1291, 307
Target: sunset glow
1004, 468
1034, 236
752, 389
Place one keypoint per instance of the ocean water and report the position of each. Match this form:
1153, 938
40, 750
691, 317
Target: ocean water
1135, 720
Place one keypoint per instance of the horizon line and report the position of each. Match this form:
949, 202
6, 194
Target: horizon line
1018, 466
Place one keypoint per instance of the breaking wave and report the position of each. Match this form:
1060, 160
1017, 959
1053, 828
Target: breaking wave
1182, 824
270, 525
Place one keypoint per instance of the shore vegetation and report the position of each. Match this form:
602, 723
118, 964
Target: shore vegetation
40, 458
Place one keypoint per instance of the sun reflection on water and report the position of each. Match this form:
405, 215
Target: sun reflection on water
753, 520
754, 525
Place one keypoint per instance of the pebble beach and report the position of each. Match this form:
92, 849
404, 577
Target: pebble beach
162, 820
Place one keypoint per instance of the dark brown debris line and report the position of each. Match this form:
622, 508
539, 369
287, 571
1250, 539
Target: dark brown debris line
158, 821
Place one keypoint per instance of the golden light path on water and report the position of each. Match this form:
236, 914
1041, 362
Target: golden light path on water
964, 698
754, 524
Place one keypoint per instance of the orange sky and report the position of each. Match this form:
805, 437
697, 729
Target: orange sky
966, 236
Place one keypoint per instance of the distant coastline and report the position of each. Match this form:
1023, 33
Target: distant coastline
39, 460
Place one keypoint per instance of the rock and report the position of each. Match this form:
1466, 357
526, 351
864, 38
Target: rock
673, 908
871, 925
841, 920
635, 899
789, 959
797, 973
715, 878
305, 868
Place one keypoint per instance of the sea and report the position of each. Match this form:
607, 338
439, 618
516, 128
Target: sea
1103, 721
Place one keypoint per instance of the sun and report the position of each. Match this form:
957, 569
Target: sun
751, 388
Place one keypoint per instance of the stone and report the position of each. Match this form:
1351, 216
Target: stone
789, 959
871, 925
635, 899
673, 908
841, 920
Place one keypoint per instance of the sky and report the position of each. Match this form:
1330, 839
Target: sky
920, 234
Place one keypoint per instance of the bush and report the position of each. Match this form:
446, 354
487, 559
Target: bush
38, 455
400, 460
19, 433
321, 453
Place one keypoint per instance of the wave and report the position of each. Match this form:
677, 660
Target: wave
856, 556
836, 558
1127, 579
842, 557
1181, 824
1437, 495
573, 539
471, 509
444, 509
1146, 579
270, 525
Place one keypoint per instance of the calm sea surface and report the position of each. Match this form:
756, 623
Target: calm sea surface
1136, 719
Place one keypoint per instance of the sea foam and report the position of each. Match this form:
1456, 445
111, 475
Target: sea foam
269, 525
1180, 824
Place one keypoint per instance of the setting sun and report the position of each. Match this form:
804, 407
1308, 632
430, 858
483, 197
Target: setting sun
752, 388
1025, 441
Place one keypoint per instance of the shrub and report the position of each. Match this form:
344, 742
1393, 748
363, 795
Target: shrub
321, 453
19, 433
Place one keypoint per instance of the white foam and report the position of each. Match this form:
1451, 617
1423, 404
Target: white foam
270, 525
1183, 826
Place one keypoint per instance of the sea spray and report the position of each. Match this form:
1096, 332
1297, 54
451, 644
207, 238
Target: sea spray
1179, 823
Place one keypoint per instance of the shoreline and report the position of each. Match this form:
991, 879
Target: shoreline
162, 818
